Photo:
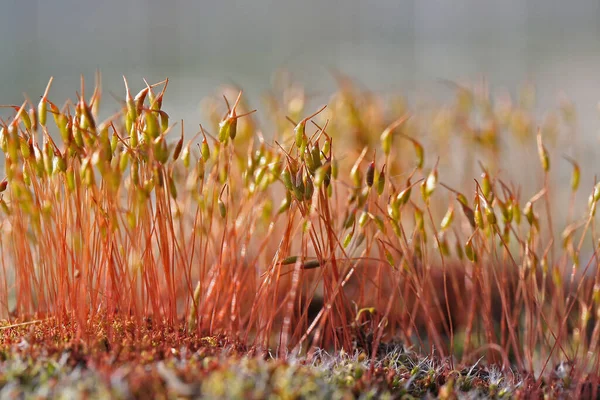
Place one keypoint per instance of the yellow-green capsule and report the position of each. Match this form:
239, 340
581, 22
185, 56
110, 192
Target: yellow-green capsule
25, 148
42, 105
224, 130
77, 133
469, 214
275, 169
59, 164
363, 219
267, 211
575, 178
506, 234
178, 149
13, 143
114, 142
48, 163
419, 220
420, 154
393, 209
4, 207
172, 187
334, 168
157, 177
486, 187
152, 126
135, 172
459, 251
596, 294
381, 181
396, 227
139, 100
285, 204
164, 121
309, 189
233, 128
11, 169
286, 178
389, 257
130, 124
516, 211
26, 176
148, 186
42, 111
403, 196
299, 132
65, 127
370, 178
222, 209
347, 239
3, 139
38, 165
131, 113
84, 123
489, 214
154, 100
185, 156
430, 183
161, 152
327, 146
34, 119
312, 264
123, 161
323, 175
133, 136
423, 192
360, 239
316, 156
379, 222
349, 220
462, 199
223, 174
478, 215
355, 175
596, 194
205, 150
543, 153
87, 177
528, 212
448, 219
23, 117
471, 255
289, 260
362, 197
104, 139
444, 248
298, 187
506, 210
576, 175
386, 135
386, 142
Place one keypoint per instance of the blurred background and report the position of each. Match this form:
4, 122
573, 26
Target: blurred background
406, 46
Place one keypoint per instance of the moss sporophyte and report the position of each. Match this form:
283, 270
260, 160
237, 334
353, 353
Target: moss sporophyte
277, 236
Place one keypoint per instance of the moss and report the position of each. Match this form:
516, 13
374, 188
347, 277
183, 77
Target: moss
146, 266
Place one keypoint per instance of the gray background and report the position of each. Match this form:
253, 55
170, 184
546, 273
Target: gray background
387, 45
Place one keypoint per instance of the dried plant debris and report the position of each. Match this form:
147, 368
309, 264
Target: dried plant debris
220, 373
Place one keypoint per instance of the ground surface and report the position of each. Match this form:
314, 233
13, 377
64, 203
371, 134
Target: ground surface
42, 360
